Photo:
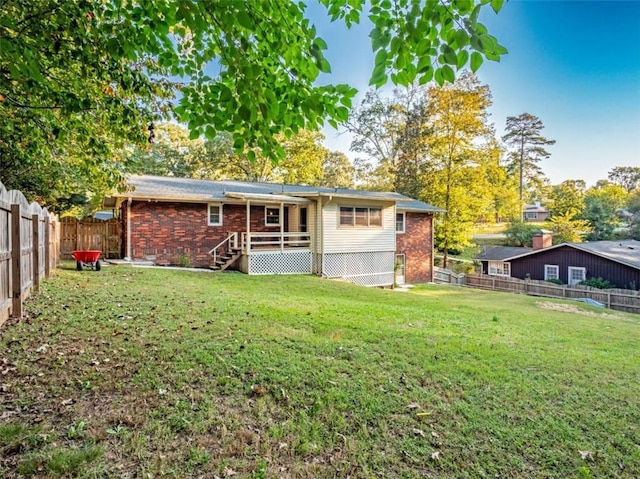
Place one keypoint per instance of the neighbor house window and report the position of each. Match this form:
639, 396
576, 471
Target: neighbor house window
360, 216
215, 215
272, 216
531, 215
400, 219
499, 268
551, 271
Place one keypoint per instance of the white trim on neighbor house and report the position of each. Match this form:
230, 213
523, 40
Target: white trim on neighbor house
551, 271
572, 279
402, 223
400, 268
211, 214
499, 268
531, 215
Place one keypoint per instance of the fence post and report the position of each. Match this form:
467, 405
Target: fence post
47, 247
16, 260
493, 284
608, 299
35, 250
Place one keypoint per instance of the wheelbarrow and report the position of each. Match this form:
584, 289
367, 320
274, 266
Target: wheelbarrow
88, 259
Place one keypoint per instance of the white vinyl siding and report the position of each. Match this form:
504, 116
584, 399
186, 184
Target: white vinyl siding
341, 239
499, 268
551, 271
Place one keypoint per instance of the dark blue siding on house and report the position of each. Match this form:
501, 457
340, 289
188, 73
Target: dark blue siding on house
620, 275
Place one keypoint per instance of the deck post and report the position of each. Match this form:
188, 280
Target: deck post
248, 226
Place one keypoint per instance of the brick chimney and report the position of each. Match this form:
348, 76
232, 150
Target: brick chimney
542, 239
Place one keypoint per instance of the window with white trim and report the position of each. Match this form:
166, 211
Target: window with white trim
360, 217
499, 268
400, 222
271, 216
531, 215
214, 214
551, 271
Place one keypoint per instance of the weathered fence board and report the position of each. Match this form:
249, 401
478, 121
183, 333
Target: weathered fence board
618, 299
28, 249
91, 234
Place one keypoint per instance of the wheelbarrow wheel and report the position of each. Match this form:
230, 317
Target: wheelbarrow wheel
98, 265
79, 265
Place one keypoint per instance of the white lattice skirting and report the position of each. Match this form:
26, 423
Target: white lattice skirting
278, 262
366, 269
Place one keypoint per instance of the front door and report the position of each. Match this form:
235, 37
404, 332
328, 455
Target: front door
576, 275
400, 268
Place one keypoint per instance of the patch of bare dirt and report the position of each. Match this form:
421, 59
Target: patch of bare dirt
572, 308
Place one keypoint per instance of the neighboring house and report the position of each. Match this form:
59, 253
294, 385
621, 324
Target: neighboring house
535, 212
615, 261
365, 237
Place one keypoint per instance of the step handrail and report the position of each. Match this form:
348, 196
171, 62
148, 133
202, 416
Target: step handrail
228, 239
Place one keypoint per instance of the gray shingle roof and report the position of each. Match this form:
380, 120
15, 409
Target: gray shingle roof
624, 251
500, 253
187, 189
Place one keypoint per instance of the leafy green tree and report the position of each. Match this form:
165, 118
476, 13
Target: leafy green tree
457, 122
626, 176
633, 208
527, 143
567, 198
337, 171
602, 206
172, 153
520, 233
567, 229
80, 79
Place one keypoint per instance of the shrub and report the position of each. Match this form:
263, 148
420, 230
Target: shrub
555, 281
520, 233
599, 283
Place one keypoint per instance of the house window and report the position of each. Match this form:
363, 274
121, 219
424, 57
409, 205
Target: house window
400, 222
271, 216
577, 275
360, 217
551, 271
499, 268
531, 215
215, 215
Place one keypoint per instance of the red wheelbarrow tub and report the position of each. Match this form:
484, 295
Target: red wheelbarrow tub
87, 258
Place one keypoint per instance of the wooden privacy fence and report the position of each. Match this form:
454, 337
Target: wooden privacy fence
619, 299
90, 234
441, 275
29, 237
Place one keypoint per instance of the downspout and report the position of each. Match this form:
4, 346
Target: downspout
129, 229
248, 246
281, 227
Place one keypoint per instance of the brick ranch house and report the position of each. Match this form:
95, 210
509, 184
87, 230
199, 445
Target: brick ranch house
369, 238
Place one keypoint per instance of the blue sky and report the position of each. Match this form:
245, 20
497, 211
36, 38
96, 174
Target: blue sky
574, 64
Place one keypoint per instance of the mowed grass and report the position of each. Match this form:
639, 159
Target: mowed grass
152, 373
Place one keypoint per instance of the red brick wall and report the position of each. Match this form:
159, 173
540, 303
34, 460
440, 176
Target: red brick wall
417, 246
169, 230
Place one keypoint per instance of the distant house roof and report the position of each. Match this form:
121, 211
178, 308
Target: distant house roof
535, 209
626, 251
187, 189
500, 253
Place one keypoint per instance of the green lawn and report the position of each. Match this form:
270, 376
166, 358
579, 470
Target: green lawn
133, 372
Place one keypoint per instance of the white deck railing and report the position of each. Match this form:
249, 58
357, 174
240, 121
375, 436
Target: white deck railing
273, 241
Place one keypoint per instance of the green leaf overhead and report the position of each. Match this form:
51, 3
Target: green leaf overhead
80, 79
